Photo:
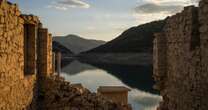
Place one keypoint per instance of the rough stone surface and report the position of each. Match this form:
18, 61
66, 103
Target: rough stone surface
180, 60
16, 90
26, 45
203, 78
57, 94
44, 52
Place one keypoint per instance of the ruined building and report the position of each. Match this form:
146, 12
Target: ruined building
25, 51
118, 94
27, 81
181, 60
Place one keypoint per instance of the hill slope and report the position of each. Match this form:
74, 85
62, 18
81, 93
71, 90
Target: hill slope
77, 44
57, 47
135, 39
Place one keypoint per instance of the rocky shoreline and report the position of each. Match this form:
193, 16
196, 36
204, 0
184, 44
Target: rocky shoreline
58, 94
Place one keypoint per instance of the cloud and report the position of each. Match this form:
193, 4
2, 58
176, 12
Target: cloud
150, 10
66, 4
156, 8
168, 6
173, 2
57, 7
74, 3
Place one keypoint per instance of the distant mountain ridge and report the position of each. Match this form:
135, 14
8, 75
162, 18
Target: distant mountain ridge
135, 39
77, 44
57, 47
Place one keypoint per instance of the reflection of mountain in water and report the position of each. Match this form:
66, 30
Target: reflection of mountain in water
134, 76
139, 77
75, 67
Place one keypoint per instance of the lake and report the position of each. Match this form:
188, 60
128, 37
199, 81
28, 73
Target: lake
137, 78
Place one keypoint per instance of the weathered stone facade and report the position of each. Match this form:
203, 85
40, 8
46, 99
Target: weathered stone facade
202, 79
180, 60
27, 81
18, 58
30, 43
45, 52
16, 89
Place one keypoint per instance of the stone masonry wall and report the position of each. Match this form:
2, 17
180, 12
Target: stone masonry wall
26, 79
160, 60
45, 52
20, 57
16, 89
203, 77
181, 73
49, 54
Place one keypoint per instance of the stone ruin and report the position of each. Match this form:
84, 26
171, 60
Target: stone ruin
26, 72
181, 60
117, 94
27, 81
22, 47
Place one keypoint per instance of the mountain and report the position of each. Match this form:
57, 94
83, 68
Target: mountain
77, 44
57, 47
135, 39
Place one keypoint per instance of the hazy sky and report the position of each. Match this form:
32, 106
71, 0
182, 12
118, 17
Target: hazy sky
98, 19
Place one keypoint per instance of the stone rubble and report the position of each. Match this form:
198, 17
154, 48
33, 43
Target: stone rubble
57, 94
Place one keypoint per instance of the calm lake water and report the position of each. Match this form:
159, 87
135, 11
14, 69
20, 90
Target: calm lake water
137, 78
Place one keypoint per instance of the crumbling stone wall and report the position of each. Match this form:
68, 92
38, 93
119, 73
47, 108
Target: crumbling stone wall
45, 52
16, 89
26, 79
30, 43
160, 60
18, 57
203, 77
180, 65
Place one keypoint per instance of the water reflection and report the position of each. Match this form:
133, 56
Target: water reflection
139, 77
75, 67
94, 76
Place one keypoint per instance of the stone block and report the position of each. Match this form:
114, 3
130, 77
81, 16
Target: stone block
1, 30
1, 12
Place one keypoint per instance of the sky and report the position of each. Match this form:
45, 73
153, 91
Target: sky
99, 19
